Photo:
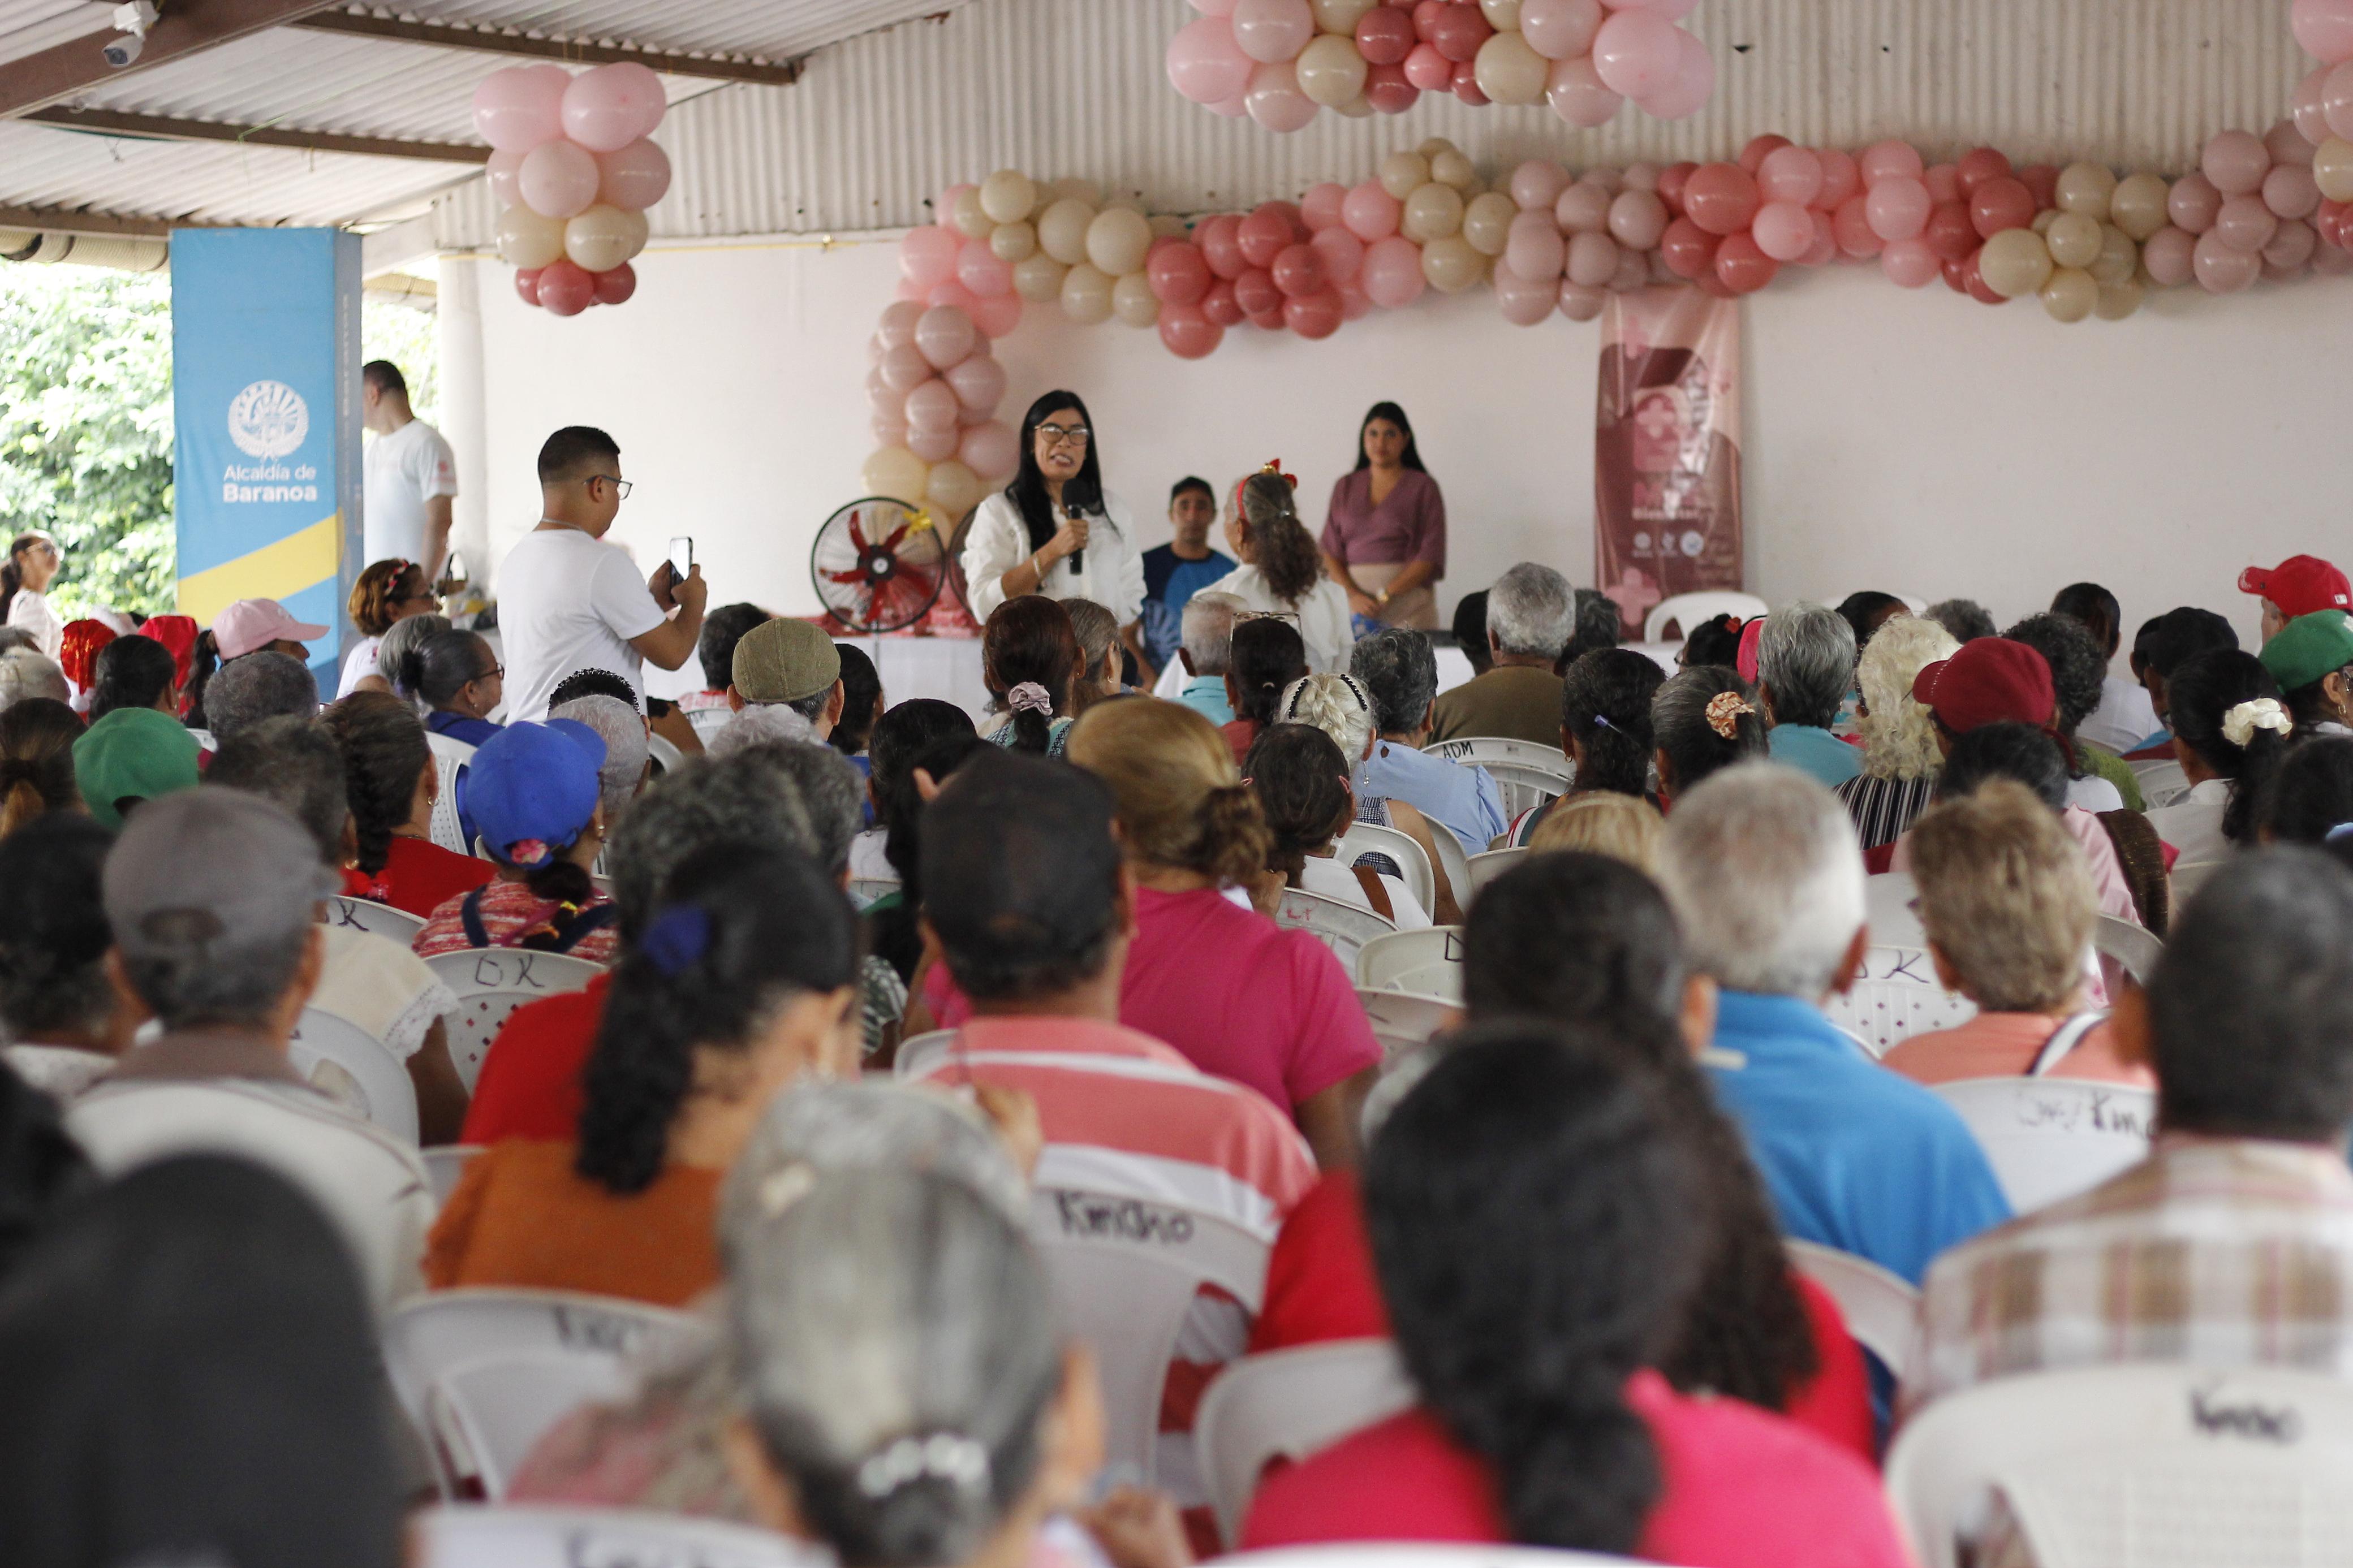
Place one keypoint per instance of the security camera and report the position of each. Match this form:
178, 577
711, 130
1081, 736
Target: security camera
124, 50
132, 20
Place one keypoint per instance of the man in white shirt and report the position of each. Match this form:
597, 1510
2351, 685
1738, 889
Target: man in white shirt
411, 475
567, 601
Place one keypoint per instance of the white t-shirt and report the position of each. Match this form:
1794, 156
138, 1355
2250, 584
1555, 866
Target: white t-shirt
358, 665
568, 603
405, 470
30, 612
1111, 567
1323, 613
1337, 883
2193, 825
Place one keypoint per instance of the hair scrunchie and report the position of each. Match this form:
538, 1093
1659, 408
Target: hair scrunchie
2239, 724
1029, 697
1723, 711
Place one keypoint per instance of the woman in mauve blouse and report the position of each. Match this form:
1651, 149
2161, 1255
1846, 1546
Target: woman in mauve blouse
1385, 537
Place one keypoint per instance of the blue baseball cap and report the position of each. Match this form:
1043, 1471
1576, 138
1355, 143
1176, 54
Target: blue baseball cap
532, 789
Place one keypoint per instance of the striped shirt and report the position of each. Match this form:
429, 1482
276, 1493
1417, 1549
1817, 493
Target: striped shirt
1884, 809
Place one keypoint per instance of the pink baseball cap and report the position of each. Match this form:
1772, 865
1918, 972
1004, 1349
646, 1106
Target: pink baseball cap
251, 624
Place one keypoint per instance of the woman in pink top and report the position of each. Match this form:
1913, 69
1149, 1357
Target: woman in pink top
1540, 1420
1239, 995
1385, 537
2006, 901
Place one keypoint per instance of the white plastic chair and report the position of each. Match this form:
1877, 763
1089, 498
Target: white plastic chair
2051, 1138
2188, 880
1525, 774
1342, 928
1485, 869
1286, 1405
865, 892
665, 752
1369, 839
446, 1164
1126, 1268
386, 1095
376, 920
1425, 963
1452, 859
919, 1054
1416, 1555
1685, 611
2134, 948
1880, 1308
1897, 997
465, 1536
445, 828
502, 1406
489, 984
1402, 1021
707, 723
450, 746
2140, 1465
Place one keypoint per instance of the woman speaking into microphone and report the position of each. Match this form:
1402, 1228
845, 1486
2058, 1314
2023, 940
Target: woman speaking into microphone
1053, 531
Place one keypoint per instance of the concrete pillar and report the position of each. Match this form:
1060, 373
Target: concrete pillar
459, 322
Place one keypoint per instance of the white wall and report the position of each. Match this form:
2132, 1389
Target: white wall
1921, 444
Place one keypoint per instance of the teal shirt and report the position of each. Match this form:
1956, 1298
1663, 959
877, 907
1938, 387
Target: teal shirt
1812, 750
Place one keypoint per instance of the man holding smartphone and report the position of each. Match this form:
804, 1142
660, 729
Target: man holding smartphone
568, 601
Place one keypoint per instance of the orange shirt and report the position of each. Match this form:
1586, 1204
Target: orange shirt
523, 1217
2004, 1044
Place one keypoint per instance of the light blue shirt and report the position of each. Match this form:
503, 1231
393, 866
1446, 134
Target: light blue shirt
1856, 1157
1206, 695
1812, 750
1463, 798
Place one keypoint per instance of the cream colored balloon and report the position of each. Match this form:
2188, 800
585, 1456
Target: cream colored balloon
1117, 240
527, 239
1402, 173
1014, 241
1503, 15
1435, 145
640, 232
2118, 256
2015, 262
2074, 239
1071, 188
1062, 230
1487, 222
898, 474
1509, 71
1432, 212
2087, 189
1038, 278
1356, 108
1340, 15
1086, 295
2044, 219
1128, 204
1132, 301
1008, 195
2070, 295
597, 240
1450, 265
1453, 169
2119, 300
1169, 225
971, 219
953, 489
2332, 169
1330, 70
2138, 206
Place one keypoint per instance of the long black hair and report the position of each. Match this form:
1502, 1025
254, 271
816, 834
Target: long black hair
1302, 781
2199, 694
1082, 493
898, 937
12, 577
1268, 656
737, 936
1536, 1228
202, 668
1395, 416
1604, 707
1029, 641
54, 934
132, 672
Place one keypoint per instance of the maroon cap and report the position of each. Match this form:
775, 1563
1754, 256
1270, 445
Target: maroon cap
2299, 586
1991, 681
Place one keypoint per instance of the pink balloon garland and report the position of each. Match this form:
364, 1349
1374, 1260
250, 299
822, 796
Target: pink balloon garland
573, 171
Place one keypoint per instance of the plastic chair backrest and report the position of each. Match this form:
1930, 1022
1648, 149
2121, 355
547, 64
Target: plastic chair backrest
1126, 1266
1485, 751
918, 1054
707, 723
1880, 1308
1486, 867
1897, 997
1401, 1020
1685, 611
1342, 928
1370, 838
2051, 1138
865, 890
665, 752
489, 984
469, 1536
450, 746
1426, 963
498, 1407
1415, 1554
1524, 788
1286, 1405
2188, 880
1452, 859
444, 829
446, 1164
2133, 947
2138, 1465
386, 1095
376, 920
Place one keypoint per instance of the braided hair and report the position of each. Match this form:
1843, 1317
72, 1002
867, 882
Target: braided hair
1301, 782
384, 754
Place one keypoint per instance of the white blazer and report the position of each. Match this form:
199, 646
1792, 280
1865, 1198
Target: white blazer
1323, 615
1112, 576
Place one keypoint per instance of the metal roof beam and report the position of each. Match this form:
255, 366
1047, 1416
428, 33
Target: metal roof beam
570, 51
62, 220
185, 27
163, 127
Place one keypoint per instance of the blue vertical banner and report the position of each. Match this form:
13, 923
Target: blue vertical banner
266, 399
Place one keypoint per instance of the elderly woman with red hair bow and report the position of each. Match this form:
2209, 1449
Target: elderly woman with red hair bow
1281, 572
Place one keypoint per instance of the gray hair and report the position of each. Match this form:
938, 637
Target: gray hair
1399, 674
1337, 704
1762, 867
1531, 610
831, 794
24, 673
258, 687
1209, 625
1096, 629
1899, 739
1806, 657
899, 1343
293, 763
1966, 619
623, 730
703, 805
759, 724
239, 985
400, 639
13, 637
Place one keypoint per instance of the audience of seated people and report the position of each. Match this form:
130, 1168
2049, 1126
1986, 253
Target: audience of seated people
1605, 732
1398, 673
1301, 784
1340, 706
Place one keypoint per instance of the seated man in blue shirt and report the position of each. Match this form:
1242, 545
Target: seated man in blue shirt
1762, 867
1399, 674
1175, 571
1805, 665
1206, 653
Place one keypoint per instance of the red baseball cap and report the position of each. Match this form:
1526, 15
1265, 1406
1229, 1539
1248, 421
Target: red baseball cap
1990, 681
2299, 586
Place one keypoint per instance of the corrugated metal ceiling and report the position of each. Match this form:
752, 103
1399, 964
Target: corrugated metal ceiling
27, 26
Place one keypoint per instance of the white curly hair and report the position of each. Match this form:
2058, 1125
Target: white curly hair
1899, 741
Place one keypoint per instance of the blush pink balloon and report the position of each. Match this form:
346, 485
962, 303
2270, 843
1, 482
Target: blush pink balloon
517, 109
2287, 146
1392, 274
1371, 213
1852, 227
1274, 100
634, 178
1576, 92
1690, 86
1186, 332
2336, 99
1790, 175
2290, 248
1524, 301
2168, 255
951, 295
565, 289
978, 381
526, 282
990, 449
1273, 30
1342, 253
932, 406
1890, 161
1721, 199
1385, 35
2245, 224
1898, 208
1841, 179
1205, 64
1636, 53
1220, 305
503, 171
2324, 28
1560, 29
1943, 182
933, 443
1538, 183
1180, 274
1637, 219
909, 290
1428, 70
1592, 260
928, 255
1460, 32
1313, 316
888, 431
1256, 292
1387, 89
1298, 271
1825, 249
1319, 209
2235, 161
2311, 110
609, 107
1264, 234
2221, 268
945, 336
998, 317
1783, 231
2001, 203
981, 270
1533, 248
903, 368
1910, 264
1355, 303
557, 179
2192, 203
2290, 192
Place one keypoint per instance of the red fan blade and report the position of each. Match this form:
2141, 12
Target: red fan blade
857, 534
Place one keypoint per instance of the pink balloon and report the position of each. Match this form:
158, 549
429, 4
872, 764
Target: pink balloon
2336, 99
903, 368
2311, 106
1689, 87
1998, 204
1637, 219
1577, 94
944, 335
1910, 264
1355, 303
2287, 146
1790, 175
2289, 191
1388, 91
634, 178
557, 179
1342, 254
1890, 161
2221, 268
1319, 209
1560, 29
1220, 305
1458, 33
565, 289
1206, 64
908, 288
1898, 207
952, 295
1636, 53
517, 109
1592, 260
2236, 163
1371, 213
1271, 30
1583, 208
1579, 303
1534, 248
943, 210
1313, 316
1180, 274
615, 285
1220, 241
1263, 235
932, 405
995, 317
504, 170
1256, 293
1525, 302
1841, 178
1721, 199
609, 107
1392, 274
2245, 224
979, 269
1851, 225
1299, 272
1825, 247
933, 443
1186, 332
990, 449
2168, 255
1384, 35
1783, 231
929, 255
1274, 100
1943, 182
2290, 248
1428, 70
526, 282
1538, 183
2324, 28
888, 431
2192, 203
978, 381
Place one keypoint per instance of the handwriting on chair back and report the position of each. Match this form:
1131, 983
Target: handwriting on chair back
2213, 1419
1097, 1217
2070, 1110
507, 969
588, 1328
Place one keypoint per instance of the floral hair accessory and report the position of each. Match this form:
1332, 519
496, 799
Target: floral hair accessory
677, 939
949, 1457
1029, 697
528, 852
1274, 467
2239, 724
1723, 711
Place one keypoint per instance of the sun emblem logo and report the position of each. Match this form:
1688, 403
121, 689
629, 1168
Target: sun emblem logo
269, 419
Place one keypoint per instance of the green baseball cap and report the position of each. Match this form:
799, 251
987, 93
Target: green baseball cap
132, 753
2308, 648
784, 660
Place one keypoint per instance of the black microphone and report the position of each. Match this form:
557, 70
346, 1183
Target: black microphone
1078, 557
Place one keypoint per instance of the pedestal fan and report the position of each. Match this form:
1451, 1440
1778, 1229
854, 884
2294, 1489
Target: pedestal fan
878, 565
